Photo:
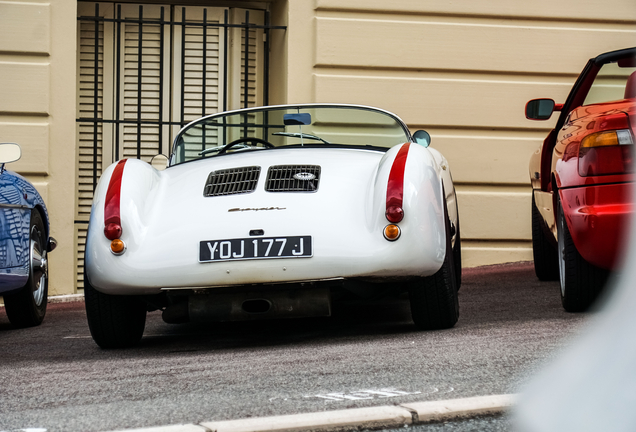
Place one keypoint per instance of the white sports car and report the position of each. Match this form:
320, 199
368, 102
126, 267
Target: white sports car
274, 212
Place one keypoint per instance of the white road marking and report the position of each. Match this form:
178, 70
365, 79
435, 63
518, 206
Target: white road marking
145, 336
274, 398
366, 394
27, 430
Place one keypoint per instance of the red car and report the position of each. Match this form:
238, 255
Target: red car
582, 179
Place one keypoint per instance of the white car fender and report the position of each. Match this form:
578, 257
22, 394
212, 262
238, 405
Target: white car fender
422, 196
135, 204
444, 171
140, 184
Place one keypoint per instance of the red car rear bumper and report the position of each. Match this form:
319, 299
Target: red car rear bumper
598, 218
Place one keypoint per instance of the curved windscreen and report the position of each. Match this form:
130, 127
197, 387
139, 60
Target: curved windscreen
288, 126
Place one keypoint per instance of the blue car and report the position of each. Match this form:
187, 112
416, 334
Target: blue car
24, 244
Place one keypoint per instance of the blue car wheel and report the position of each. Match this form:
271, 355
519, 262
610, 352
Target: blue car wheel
27, 307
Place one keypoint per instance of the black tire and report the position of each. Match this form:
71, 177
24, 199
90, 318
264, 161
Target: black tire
114, 321
27, 307
580, 281
434, 301
546, 259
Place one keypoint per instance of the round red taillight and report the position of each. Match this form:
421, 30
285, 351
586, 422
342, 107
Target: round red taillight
112, 231
394, 214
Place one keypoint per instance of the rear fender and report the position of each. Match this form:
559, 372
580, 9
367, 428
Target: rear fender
598, 220
443, 169
422, 196
140, 182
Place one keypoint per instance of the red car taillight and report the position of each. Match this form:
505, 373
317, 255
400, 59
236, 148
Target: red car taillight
395, 187
112, 218
607, 152
112, 231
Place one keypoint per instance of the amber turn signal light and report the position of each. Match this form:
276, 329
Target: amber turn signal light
117, 246
608, 138
392, 232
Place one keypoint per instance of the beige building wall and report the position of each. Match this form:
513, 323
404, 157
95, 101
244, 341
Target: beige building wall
37, 110
462, 70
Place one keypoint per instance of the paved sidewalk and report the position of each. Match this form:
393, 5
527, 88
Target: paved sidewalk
373, 417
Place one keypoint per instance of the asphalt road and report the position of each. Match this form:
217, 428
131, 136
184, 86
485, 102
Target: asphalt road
54, 377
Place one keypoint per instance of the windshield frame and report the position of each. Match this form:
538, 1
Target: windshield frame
398, 120
582, 85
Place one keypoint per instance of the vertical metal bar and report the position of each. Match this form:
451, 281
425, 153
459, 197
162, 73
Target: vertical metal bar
95, 95
204, 70
266, 62
171, 102
246, 64
225, 58
266, 77
225, 69
161, 60
118, 83
246, 59
183, 37
205, 59
139, 80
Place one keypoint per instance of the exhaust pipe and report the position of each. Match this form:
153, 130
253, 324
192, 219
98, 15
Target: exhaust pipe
256, 306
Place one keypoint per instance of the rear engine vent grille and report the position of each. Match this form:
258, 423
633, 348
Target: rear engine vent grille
293, 178
232, 181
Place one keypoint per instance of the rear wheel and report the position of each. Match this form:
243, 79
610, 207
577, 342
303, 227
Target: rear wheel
581, 282
434, 301
546, 260
114, 321
27, 307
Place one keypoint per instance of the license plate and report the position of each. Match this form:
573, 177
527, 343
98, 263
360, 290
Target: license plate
255, 248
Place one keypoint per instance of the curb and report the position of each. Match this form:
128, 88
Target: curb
456, 408
67, 298
373, 417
